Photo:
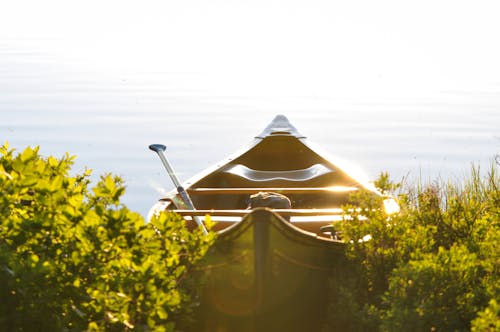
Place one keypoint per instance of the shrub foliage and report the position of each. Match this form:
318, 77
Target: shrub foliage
432, 267
73, 258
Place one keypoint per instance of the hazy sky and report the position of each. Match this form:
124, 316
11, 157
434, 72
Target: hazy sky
276, 48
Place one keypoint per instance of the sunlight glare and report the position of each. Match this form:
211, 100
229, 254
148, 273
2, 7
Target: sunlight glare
391, 206
341, 189
264, 49
270, 48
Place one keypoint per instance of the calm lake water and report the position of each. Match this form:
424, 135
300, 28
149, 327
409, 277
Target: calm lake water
107, 117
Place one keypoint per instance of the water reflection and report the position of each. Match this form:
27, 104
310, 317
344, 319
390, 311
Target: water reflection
108, 120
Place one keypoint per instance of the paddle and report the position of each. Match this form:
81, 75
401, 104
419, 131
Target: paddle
159, 148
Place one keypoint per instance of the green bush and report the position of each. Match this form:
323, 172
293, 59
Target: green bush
488, 320
432, 267
73, 258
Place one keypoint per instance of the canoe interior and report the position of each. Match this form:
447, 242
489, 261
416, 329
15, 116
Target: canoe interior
285, 160
279, 160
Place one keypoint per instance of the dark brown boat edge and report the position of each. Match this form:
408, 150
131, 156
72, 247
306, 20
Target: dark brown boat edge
264, 274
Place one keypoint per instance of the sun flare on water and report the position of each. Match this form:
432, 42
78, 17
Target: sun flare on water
260, 48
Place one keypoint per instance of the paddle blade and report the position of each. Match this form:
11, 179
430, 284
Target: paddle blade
157, 147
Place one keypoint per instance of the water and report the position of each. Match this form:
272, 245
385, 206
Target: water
105, 99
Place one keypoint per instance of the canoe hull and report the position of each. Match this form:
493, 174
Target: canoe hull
264, 274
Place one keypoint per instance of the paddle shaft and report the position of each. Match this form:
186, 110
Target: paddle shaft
158, 148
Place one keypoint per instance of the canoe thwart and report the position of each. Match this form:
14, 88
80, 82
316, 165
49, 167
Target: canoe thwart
281, 190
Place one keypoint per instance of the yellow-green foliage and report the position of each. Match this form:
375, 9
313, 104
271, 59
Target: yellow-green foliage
73, 258
433, 267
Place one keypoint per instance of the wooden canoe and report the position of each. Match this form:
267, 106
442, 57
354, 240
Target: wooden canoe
265, 273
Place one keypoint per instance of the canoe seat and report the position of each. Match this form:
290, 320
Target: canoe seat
298, 175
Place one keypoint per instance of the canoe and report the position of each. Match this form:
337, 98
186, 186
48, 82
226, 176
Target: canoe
269, 268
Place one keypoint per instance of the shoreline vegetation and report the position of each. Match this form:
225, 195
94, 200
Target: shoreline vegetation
434, 266
74, 258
